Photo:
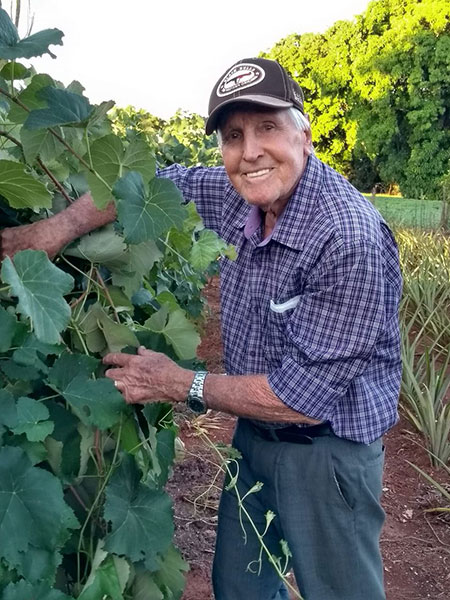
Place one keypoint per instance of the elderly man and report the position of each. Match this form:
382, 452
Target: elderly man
311, 345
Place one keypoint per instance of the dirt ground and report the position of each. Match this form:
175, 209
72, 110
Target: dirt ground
415, 543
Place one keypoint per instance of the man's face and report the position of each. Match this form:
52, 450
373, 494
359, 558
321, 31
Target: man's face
264, 154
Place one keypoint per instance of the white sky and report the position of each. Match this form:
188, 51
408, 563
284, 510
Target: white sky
162, 55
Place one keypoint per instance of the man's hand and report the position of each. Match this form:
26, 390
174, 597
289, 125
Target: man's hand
148, 377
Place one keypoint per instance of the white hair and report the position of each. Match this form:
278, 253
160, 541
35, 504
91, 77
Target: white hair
300, 121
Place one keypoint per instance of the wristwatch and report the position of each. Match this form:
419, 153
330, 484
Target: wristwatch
195, 399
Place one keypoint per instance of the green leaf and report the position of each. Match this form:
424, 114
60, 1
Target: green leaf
178, 331
34, 45
29, 97
64, 445
96, 402
104, 246
20, 189
206, 250
140, 516
111, 160
138, 157
170, 577
14, 371
106, 155
32, 351
23, 590
104, 583
8, 31
8, 410
68, 366
145, 588
38, 565
64, 108
32, 420
145, 216
40, 591
140, 260
32, 508
15, 70
117, 335
40, 287
8, 328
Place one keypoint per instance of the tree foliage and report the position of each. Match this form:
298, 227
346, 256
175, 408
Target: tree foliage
377, 91
180, 139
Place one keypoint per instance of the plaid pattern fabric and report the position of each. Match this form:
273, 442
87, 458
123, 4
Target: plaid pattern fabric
315, 306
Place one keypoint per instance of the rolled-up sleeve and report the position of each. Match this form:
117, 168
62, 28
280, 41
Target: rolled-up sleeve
332, 333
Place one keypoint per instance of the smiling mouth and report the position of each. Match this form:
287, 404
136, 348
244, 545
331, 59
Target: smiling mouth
256, 174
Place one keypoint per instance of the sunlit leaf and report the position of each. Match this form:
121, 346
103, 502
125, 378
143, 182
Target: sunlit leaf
20, 189
206, 249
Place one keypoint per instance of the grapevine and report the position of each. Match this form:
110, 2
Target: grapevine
83, 511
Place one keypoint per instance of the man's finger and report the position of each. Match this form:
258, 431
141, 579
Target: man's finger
117, 358
143, 351
114, 374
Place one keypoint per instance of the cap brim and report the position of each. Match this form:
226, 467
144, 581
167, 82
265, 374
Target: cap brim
211, 123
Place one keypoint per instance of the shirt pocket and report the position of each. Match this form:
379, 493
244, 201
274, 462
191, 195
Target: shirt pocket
279, 316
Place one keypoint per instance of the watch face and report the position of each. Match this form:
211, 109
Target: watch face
196, 404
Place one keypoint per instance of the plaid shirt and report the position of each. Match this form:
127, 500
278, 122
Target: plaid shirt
315, 305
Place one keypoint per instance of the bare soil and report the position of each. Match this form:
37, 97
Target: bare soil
415, 543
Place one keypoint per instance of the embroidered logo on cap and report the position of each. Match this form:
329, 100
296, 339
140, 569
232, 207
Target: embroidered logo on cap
239, 77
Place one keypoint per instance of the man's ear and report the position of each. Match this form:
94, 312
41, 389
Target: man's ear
308, 142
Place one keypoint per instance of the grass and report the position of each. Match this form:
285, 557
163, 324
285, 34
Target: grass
408, 212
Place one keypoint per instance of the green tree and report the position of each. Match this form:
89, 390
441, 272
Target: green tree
377, 91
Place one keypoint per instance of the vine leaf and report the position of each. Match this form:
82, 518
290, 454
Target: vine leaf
104, 246
206, 250
63, 108
68, 366
40, 287
11, 47
145, 215
105, 579
140, 516
8, 327
32, 420
32, 351
178, 331
111, 160
22, 589
20, 189
170, 574
96, 402
32, 508
140, 259
29, 97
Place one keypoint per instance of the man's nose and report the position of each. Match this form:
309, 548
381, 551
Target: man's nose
252, 148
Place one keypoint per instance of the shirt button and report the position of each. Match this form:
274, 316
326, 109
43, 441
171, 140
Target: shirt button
252, 353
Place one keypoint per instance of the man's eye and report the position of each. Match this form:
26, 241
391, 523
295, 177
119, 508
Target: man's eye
232, 136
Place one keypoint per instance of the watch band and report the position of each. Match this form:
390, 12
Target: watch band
195, 400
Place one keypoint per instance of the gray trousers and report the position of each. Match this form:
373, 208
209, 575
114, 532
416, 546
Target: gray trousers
326, 498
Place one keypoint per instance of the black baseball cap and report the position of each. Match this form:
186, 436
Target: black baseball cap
256, 81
